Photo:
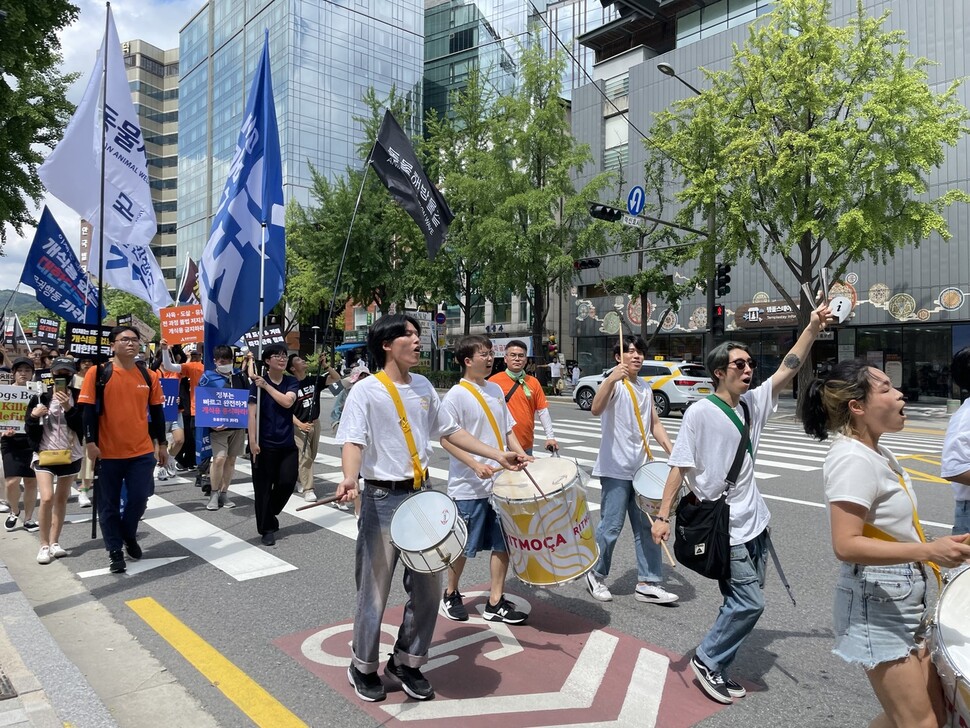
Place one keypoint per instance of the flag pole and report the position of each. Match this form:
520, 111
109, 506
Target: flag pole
343, 256
262, 304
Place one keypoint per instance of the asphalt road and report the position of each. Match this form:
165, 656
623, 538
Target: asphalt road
256, 612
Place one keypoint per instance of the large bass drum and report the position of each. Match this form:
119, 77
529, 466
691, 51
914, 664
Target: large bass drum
950, 647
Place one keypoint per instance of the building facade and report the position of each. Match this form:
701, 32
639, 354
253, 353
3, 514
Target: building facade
911, 313
324, 55
153, 76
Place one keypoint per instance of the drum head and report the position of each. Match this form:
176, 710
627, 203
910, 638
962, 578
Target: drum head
423, 520
953, 621
552, 475
650, 479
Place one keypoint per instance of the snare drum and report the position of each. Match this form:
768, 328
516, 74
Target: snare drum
428, 531
549, 534
648, 483
950, 647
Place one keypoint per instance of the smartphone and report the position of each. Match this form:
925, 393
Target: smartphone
60, 384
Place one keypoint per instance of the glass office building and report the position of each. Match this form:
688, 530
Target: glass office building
324, 55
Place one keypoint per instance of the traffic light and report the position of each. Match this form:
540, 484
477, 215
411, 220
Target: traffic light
717, 320
605, 212
722, 279
584, 263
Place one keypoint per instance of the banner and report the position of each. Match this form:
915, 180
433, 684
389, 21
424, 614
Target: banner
247, 231
397, 165
47, 330
53, 271
82, 340
72, 172
189, 289
170, 390
182, 324
215, 407
13, 406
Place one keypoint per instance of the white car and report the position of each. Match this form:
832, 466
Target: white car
675, 385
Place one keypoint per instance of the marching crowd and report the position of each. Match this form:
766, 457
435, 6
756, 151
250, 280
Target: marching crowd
385, 424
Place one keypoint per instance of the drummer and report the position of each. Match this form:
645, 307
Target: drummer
375, 444
882, 591
470, 478
624, 404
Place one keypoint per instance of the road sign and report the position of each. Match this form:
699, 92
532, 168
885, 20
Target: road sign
633, 221
440, 318
636, 200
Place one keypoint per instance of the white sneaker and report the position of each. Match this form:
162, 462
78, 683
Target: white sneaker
83, 500
597, 588
4, 507
654, 594
309, 496
44, 555
161, 473
172, 472
58, 551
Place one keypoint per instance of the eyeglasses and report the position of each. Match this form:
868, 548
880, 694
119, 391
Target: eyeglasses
126, 340
740, 364
277, 356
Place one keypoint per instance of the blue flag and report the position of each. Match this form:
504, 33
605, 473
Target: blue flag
249, 220
53, 271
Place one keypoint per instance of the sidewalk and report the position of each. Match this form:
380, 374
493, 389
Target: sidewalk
69, 661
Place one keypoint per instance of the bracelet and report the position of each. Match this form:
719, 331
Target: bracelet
661, 518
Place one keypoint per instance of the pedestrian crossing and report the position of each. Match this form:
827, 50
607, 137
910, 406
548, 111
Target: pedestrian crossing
783, 449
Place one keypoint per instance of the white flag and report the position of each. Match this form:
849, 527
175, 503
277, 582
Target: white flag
72, 172
134, 268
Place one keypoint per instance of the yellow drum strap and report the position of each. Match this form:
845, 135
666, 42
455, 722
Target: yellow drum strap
488, 411
405, 427
875, 532
636, 411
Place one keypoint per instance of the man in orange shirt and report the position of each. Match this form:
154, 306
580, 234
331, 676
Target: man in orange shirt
117, 431
525, 398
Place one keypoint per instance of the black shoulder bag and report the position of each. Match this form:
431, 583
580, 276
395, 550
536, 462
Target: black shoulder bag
703, 528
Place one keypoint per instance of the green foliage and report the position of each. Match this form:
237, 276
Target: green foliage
439, 379
33, 102
120, 303
816, 146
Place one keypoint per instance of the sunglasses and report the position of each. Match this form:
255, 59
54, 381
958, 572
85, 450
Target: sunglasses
740, 364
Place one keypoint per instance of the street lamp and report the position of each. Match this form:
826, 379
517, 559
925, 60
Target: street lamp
315, 330
668, 70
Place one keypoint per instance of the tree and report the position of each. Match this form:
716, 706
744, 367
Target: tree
541, 224
814, 148
33, 101
120, 303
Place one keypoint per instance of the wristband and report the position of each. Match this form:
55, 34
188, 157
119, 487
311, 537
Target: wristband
661, 518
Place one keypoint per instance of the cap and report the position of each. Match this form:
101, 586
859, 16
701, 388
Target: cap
189, 348
21, 361
357, 373
61, 364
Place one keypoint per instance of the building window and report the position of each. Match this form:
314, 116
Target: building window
717, 17
502, 310
461, 40
616, 134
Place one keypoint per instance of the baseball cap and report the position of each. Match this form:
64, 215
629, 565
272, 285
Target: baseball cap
62, 364
357, 373
22, 361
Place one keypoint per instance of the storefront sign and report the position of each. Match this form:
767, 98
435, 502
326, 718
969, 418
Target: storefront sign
773, 314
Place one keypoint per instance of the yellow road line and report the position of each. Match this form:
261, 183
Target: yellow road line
925, 477
261, 707
924, 431
922, 458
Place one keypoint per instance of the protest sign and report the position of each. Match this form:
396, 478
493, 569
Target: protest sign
271, 335
47, 331
170, 389
182, 324
216, 407
82, 340
13, 406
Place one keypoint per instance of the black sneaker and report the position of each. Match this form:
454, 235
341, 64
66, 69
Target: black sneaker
368, 686
454, 606
504, 611
31, 526
117, 565
133, 549
735, 689
11, 522
414, 683
711, 683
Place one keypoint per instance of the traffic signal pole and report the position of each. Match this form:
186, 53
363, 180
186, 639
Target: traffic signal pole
709, 265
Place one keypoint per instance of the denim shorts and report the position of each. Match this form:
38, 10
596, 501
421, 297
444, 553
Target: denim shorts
961, 517
878, 613
484, 528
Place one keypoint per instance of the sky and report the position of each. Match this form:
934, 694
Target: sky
155, 21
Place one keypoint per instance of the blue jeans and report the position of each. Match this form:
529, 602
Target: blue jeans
961, 518
619, 500
137, 476
744, 601
375, 562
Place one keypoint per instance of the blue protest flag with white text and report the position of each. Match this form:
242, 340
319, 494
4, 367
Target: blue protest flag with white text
249, 218
53, 271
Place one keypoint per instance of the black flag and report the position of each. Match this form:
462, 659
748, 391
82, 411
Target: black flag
397, 165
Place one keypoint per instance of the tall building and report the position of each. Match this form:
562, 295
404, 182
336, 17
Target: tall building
324, 55
153, 75
911, 312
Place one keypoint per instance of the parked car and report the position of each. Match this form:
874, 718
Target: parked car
675, 385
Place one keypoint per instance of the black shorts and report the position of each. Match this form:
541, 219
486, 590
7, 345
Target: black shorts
16, 463
60, 471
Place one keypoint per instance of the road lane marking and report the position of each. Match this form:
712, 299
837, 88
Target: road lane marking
796, 501
248, 695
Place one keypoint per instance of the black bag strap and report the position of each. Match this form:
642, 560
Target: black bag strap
511, 392
732, 476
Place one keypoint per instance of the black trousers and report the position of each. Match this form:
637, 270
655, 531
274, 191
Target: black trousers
274, 477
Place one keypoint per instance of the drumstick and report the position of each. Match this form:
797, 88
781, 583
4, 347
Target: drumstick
529, 476
321, 502
663, 544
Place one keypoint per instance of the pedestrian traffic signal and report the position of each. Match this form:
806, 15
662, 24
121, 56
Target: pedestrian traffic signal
584, 263
722, 279
717, 320
605, 212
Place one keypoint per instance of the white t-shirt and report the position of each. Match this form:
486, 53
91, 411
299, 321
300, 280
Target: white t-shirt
465, 409
706, 445
858, 474
956, 450
555, 369
370, 419
621, 446
576, 375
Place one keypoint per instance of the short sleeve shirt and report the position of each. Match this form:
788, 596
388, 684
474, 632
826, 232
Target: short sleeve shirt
123, 425
956, 450
275, 422
468, 413
621, 446
522, 408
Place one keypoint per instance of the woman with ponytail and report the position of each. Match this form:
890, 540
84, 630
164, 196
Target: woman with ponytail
881, 594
